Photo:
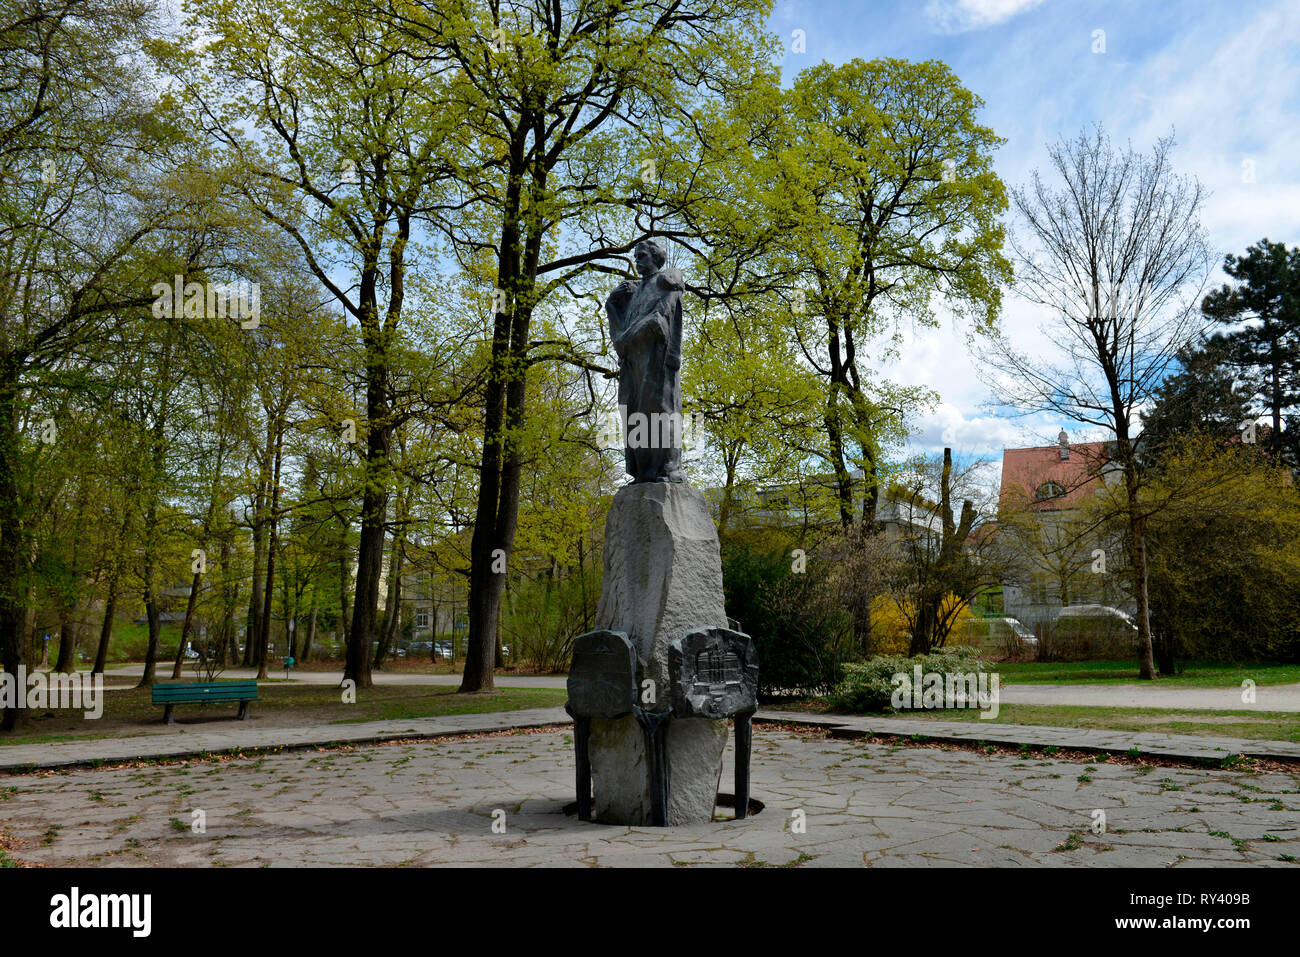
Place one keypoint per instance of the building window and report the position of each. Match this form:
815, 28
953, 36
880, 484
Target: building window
1049, 490
422, 619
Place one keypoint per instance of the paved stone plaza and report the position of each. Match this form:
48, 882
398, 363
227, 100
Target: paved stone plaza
435, 803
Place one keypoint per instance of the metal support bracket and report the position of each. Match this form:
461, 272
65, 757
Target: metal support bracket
744, 741
655, 726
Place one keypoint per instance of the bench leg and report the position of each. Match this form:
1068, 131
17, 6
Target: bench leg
167, 714
243, 710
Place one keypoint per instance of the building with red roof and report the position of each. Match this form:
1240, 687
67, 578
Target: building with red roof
1056, 557
1057, 476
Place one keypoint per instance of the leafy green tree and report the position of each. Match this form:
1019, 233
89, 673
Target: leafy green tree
339, 136
885, 203
759, 405
568, 113
85, 199
1225, 561
102, 196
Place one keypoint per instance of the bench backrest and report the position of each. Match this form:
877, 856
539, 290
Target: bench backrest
175, 691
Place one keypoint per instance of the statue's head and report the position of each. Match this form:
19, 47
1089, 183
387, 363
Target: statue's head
650, 257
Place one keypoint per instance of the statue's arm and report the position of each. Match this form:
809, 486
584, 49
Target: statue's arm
671, 281
616, 310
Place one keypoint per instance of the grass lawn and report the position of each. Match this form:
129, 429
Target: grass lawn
418, 665
280, 705
1195, 674
1259, 725
412, 665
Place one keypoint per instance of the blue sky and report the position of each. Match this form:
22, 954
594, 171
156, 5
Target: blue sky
1224, 75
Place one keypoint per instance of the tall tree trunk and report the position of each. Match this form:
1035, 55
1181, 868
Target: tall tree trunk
922, 631
264, 639
365, 603
361, 634
226, 640
68, 633
870, 489
843, 477
834, 428
250, 633
728, 492
867, 527
254, 633
271, 548
154, 617
311, 634
1275, 437
1138, 558
185, 627
106, 629
507, 519
13, 609
1163, 647
374, 499
393, 607
485, 585
153, 613
344, 627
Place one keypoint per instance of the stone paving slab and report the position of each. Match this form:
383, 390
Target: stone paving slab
1182, 747
499, 802
240, 735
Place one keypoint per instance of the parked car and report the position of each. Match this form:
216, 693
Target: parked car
1082, 632
444, 649
1011, 636
1100, 612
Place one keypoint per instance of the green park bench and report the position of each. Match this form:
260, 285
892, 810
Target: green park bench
189, 692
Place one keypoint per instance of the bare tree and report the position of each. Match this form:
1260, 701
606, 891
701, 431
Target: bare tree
1117, 253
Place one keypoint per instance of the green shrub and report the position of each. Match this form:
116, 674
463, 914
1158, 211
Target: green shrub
1086, 639
541, 618
801, 635
869, 686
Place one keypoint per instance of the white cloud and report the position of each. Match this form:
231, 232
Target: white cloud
979, 435
961, 16
1227, 89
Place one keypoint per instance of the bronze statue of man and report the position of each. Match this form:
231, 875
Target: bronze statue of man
645, 322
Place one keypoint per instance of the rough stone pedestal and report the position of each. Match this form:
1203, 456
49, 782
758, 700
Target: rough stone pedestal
663, 578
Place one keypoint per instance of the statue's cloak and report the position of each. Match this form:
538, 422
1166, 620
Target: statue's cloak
645, 322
